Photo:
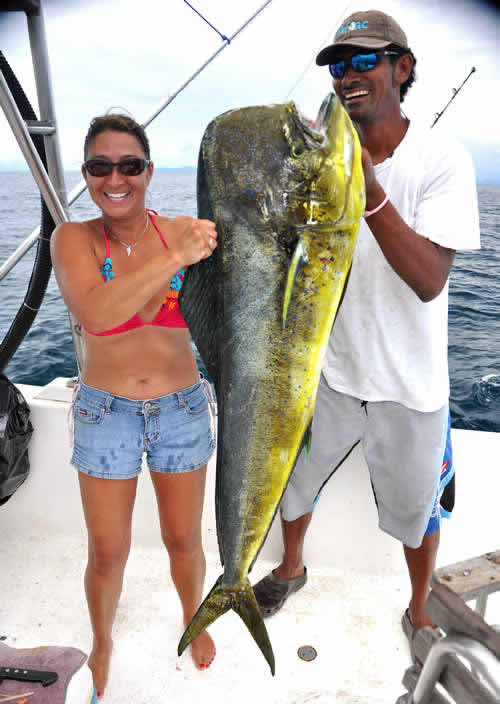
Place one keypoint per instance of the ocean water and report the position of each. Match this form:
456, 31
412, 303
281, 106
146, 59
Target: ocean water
474, 312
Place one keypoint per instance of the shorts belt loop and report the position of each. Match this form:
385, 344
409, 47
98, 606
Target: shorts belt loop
107, 403
70, 417
212, 406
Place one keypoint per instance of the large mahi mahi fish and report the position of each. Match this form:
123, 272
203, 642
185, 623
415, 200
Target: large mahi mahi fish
287, 198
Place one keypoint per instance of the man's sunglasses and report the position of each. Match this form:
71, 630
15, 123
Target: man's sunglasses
359, 62
128, 166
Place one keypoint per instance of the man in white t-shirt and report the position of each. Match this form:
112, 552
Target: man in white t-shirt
385, 378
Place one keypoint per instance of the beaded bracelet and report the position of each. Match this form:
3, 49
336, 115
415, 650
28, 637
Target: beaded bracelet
379, 207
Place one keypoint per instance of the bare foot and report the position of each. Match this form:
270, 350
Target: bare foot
98, 663
203, 651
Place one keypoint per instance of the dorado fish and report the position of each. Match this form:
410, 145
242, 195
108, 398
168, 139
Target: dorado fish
287, 196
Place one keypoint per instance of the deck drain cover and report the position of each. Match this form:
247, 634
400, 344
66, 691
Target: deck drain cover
307, 653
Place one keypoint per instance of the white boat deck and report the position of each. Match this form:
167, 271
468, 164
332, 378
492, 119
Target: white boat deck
349, 611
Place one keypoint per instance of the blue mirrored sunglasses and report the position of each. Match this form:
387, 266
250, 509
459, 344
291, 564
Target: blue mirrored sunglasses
359, 62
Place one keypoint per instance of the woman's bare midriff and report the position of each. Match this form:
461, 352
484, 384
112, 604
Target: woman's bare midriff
140, 364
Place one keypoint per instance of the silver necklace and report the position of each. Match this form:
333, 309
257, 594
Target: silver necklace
130, 247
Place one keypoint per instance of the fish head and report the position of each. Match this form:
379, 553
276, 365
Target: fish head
267, 172
324, 171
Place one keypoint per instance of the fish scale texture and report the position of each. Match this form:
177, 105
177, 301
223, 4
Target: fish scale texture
286, 201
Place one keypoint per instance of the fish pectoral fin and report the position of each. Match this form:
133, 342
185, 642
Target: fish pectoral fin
306, 442
299, 258
242, 601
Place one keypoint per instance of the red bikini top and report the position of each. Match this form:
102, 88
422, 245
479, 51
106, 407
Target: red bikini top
169, 315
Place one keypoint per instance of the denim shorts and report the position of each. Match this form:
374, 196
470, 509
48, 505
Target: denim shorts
111, 433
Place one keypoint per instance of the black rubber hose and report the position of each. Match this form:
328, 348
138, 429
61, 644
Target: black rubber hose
42, 266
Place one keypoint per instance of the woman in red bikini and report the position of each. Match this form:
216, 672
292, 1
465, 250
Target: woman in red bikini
139, 389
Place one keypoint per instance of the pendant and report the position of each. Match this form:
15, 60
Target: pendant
129, 249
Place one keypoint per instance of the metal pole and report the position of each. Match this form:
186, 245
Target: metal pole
476, 654
52, 186
79, 189
46, 104
41, 68
76, 192
19, 253
18, 126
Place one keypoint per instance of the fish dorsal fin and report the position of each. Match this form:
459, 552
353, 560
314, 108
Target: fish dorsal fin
198, 295
299, 258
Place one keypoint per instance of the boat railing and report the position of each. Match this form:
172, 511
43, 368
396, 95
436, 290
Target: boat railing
50, 180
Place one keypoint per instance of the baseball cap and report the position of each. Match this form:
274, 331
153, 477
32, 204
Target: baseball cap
372, 29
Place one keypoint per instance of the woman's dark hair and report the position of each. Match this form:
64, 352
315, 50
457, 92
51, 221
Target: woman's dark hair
412, 77
118, 123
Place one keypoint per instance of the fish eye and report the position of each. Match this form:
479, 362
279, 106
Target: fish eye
297, 150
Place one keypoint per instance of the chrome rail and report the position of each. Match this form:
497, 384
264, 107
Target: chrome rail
51, 182
19, 253
80, 188
44, 90
20, 131
482, 661
41, 69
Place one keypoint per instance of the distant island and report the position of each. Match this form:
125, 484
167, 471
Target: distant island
175, 168
486, 162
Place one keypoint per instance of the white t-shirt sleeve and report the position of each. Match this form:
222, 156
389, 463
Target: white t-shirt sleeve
447, 210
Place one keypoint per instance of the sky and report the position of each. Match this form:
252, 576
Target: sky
121, 53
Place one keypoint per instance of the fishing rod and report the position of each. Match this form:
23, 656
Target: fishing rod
327, 37
80, 188
455, 93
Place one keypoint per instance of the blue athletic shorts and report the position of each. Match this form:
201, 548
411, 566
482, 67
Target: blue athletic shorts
111, 433
445, 498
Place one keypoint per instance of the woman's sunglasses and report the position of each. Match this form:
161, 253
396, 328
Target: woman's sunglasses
359, 62
128, 166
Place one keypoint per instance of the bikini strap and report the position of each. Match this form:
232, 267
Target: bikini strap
108, 256
156, 226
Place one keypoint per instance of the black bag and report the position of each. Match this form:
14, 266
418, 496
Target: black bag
15, 433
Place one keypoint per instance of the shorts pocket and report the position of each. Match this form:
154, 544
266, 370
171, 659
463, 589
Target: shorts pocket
195, 402
87, 412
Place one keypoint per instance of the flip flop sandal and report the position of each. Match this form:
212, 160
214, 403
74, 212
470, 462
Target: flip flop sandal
410, 631
272, 592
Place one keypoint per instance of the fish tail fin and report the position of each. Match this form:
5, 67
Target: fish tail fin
248, 610
216, 603
242, 601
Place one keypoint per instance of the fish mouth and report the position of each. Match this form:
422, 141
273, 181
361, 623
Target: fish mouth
315, 132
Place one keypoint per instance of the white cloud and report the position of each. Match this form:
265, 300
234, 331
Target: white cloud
105, 54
